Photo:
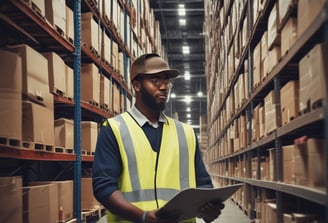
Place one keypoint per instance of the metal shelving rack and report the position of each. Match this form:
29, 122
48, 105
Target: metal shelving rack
276, 138
40, 35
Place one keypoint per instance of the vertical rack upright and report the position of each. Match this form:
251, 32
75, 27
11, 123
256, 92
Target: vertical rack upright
77, 110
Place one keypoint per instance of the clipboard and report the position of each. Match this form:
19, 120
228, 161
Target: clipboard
187, 202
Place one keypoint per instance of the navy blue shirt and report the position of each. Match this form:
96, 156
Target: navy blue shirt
107, 165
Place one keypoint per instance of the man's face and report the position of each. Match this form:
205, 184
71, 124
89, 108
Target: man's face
155, 97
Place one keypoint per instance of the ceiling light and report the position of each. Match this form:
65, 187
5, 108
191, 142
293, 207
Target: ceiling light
182, 22
185, 49
189, 122
188, 115
188, 109
187, 75
200, 93
188, 99
181, 10
173, 95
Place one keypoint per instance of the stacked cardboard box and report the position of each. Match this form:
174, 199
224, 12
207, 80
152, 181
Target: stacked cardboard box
289, 101
88, 201
89, 134
56, 14
10, 95
64, 133
40, 203
11, 199
312, 72
270, 107
90, 32
56, 73
90, 83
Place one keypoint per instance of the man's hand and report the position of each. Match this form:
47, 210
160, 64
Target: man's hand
160, 217
210, 211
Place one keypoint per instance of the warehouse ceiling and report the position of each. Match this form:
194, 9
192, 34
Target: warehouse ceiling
175, 36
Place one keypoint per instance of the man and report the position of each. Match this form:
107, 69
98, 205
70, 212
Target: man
143, 157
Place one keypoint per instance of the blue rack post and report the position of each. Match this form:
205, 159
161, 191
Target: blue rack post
77, 110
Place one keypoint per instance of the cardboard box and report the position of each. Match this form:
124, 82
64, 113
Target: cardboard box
284, 7
313, 69
104, 91
288, 35
10, 114
272, 165
106, 48
39, 4
307, 11
257, 65
289, 101
11, 71
69, 82
270, 107
273, 33
89, 134
116, 98
317, 163
38, 123
107, 13
69, 24
90, 83
35, 78
88, 201
56, 14
40, 203
274, 57
90, 32
65, 197
11, 199
64, 133
288, 157
56, 72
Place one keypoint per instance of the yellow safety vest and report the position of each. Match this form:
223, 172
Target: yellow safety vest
176, 166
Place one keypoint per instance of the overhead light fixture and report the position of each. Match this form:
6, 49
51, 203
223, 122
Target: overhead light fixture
188, 99
182, 22
181, 10
187, 75
173, 95
199, 93
188, 115
189, 122
185, 49
188, 109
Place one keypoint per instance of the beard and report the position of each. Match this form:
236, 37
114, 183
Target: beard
151, 102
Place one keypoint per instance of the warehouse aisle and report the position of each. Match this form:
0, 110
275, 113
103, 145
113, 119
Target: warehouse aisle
231, 213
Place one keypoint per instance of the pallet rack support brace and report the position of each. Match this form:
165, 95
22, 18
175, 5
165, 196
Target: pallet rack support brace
77, 111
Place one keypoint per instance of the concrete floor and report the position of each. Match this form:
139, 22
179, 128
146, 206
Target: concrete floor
231, 213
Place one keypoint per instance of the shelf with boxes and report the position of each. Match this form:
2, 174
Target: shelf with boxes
36, 141
267, 126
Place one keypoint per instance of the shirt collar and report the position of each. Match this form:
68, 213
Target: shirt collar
142, 120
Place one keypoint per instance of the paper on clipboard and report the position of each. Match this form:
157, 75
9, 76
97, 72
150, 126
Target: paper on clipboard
187, 202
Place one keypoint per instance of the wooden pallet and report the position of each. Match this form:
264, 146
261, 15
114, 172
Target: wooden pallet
64, 150
60, 31
57, 91
8, 141
91, 213
37, 146
94, 103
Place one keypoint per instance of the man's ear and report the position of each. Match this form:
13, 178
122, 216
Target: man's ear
136, 86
